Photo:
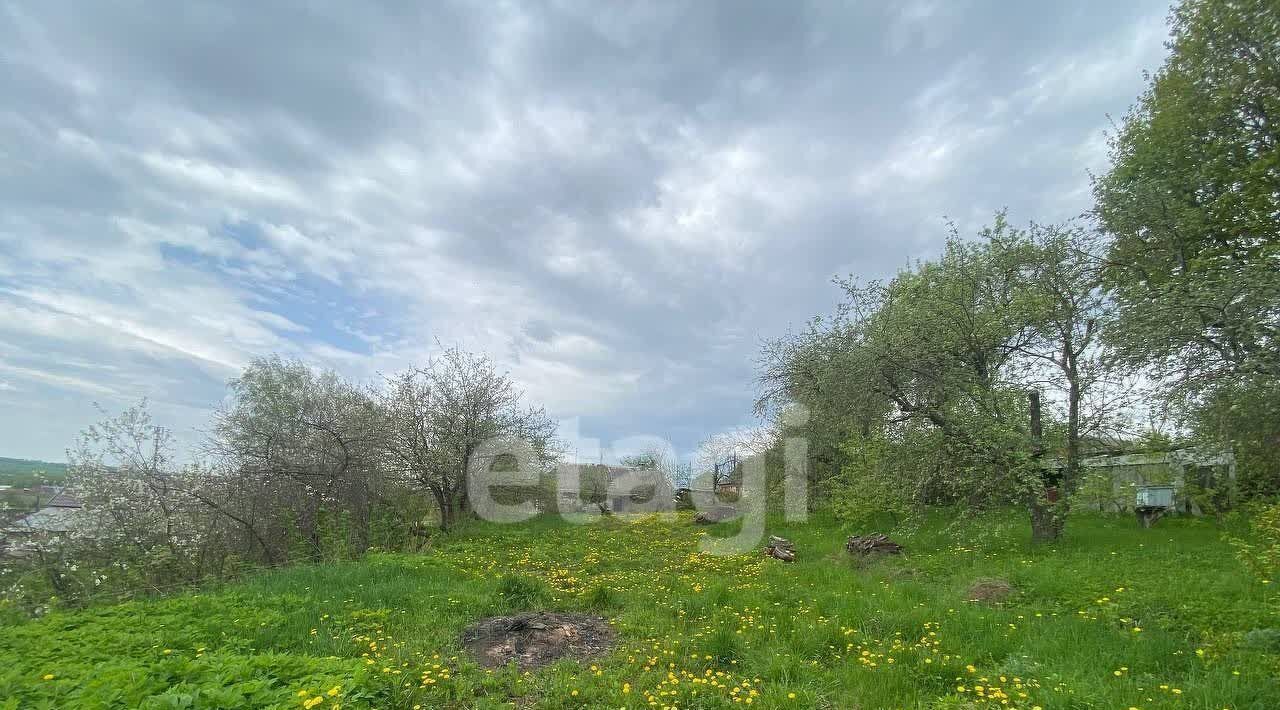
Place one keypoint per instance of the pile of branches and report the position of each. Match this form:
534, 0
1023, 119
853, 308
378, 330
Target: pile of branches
781, 548
873, 544
715, 515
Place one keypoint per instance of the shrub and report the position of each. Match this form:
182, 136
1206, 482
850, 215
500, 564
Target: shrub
1260, 549
867, 485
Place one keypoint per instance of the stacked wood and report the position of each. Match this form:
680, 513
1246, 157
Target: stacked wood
715, 515
874, 544
781, 548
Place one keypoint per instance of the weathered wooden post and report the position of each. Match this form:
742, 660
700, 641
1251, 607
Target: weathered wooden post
1037, 430
1045, 524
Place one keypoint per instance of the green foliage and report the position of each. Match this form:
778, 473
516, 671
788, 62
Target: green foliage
1244, 416
1099, 491
1193, 202
645, 461
869, 484
1193, 196
937, 364
1151, 441
600, 597
521, 592
1259, 549
593, 484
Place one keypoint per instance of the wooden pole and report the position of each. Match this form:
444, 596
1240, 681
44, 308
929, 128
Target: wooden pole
1037, 430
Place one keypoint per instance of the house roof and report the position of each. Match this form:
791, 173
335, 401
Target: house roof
49, 519
1177, 457
63, 499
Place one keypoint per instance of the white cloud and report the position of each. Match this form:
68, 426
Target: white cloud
1100, 71
54, 378
946, 128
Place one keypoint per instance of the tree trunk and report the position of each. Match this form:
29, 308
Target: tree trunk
1072, 473
445, 505
464, 478
446, 515
361, 517
312, 536
1047, 521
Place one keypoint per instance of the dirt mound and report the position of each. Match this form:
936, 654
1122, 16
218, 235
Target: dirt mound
534, 639
989, 590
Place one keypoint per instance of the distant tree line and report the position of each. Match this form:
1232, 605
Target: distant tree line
922, 388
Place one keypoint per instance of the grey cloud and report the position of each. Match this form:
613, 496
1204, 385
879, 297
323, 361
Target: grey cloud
618, 202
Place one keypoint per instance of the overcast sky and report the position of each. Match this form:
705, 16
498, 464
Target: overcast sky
617, 201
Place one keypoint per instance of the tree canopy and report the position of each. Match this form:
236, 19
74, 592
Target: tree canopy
1192, 200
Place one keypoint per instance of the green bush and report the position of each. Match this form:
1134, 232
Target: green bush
1260, 548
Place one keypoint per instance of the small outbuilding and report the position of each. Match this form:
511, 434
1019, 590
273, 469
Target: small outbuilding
1113, 482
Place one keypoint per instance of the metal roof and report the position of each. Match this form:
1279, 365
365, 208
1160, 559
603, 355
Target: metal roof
50, 519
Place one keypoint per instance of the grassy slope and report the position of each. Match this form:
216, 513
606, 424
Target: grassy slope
24, 472
899, 633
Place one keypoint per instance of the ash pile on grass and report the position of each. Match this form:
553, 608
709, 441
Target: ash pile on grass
535, 639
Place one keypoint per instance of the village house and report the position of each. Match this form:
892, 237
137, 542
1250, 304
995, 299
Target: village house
629, 490
57, 516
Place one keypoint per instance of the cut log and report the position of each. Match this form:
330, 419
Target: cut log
715, 515
781, 548
781, 554
874, 544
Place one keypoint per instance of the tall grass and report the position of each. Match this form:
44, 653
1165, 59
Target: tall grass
1113, 616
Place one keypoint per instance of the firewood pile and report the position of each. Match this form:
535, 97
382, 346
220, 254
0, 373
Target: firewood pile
781, 548
874, 544
715, 515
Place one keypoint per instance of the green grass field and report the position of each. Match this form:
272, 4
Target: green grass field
1114, 617
24, 472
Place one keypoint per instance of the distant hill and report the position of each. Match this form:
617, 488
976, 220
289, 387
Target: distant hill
25, 472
